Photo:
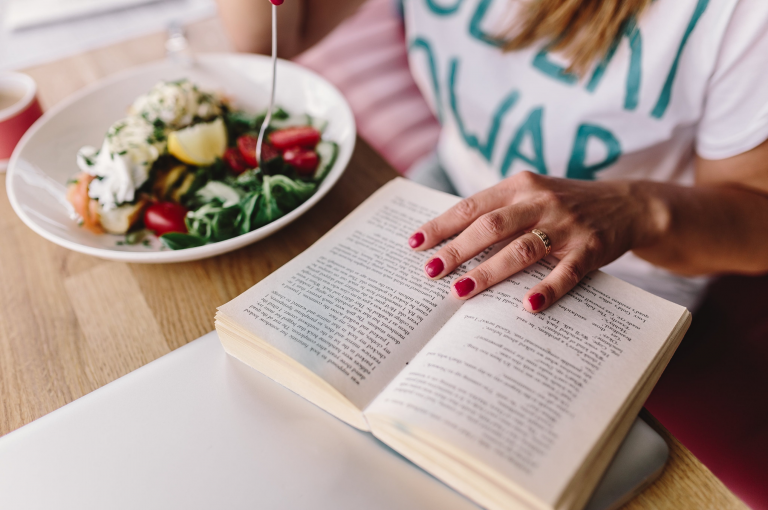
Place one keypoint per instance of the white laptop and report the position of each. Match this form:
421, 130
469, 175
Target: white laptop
28, 13
197, 429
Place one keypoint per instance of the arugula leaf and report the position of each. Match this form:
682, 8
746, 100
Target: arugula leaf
224, 224
214, 222
179, 241
289, 193
274, 166
248, 181
279, 196
247, 208
268, 210
279, 114
238, 123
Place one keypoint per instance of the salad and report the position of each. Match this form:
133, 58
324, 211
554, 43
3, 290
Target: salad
182, 165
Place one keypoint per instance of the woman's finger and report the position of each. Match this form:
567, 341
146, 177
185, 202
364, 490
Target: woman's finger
485, 231
457, 218
565, 276
516, 256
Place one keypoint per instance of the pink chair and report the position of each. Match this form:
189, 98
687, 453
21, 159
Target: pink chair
714, 395
366, 58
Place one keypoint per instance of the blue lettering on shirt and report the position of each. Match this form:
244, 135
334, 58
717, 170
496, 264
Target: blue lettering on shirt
546, 66
666, 91
577, 167
442, 10
486, 149
631, 31
531, 127
423, 44
475, 25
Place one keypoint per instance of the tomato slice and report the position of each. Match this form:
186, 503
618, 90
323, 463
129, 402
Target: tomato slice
268, 152
235, 161
247, 146
298, 136
303, 160
165, 217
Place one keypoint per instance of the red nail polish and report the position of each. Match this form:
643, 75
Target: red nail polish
537, 301
416, 240
464, 286
434, 267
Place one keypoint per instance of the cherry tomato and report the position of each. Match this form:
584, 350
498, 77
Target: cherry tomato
303, 160
299, 136
247, 146
235, 161
165, 217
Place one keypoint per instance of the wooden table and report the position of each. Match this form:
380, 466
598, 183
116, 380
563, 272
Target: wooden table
70, 323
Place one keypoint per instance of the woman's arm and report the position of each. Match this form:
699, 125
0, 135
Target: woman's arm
301, 23
718, 225
721, 224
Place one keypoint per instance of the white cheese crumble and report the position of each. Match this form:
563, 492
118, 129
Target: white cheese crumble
177, 104
122, 163
132, 145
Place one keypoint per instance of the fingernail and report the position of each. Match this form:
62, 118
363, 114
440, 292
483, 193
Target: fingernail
537, 301
416, 240
434, 267
464, 286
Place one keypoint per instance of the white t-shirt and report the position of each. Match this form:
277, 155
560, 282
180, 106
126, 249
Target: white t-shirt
690, 76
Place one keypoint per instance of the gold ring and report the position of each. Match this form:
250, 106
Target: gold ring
544, 239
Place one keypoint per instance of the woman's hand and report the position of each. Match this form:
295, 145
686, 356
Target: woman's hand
589, 224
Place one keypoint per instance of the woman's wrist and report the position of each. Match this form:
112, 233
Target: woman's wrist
702, 229
654, 212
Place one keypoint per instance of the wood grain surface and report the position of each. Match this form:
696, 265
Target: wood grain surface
70, 323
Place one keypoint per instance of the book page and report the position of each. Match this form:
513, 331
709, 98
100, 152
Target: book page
356, 307
530, 394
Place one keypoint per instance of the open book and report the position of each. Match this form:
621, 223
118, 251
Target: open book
510, 408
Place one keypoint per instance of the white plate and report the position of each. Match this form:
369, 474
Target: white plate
45, 157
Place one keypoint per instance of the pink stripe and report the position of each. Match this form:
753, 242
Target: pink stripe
367, 59
387, 89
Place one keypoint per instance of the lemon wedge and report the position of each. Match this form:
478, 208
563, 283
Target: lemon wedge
200, 144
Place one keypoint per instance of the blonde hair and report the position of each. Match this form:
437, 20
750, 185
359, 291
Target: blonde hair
583, 29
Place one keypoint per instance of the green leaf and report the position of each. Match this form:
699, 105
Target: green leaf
224, 224
279, 196
268, 210
179, 241
247, 206
213, 222
279, 114
248, 181
273, 166
136, 237
289, 193
203, 175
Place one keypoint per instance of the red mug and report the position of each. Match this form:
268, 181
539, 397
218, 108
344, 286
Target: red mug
19, 109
